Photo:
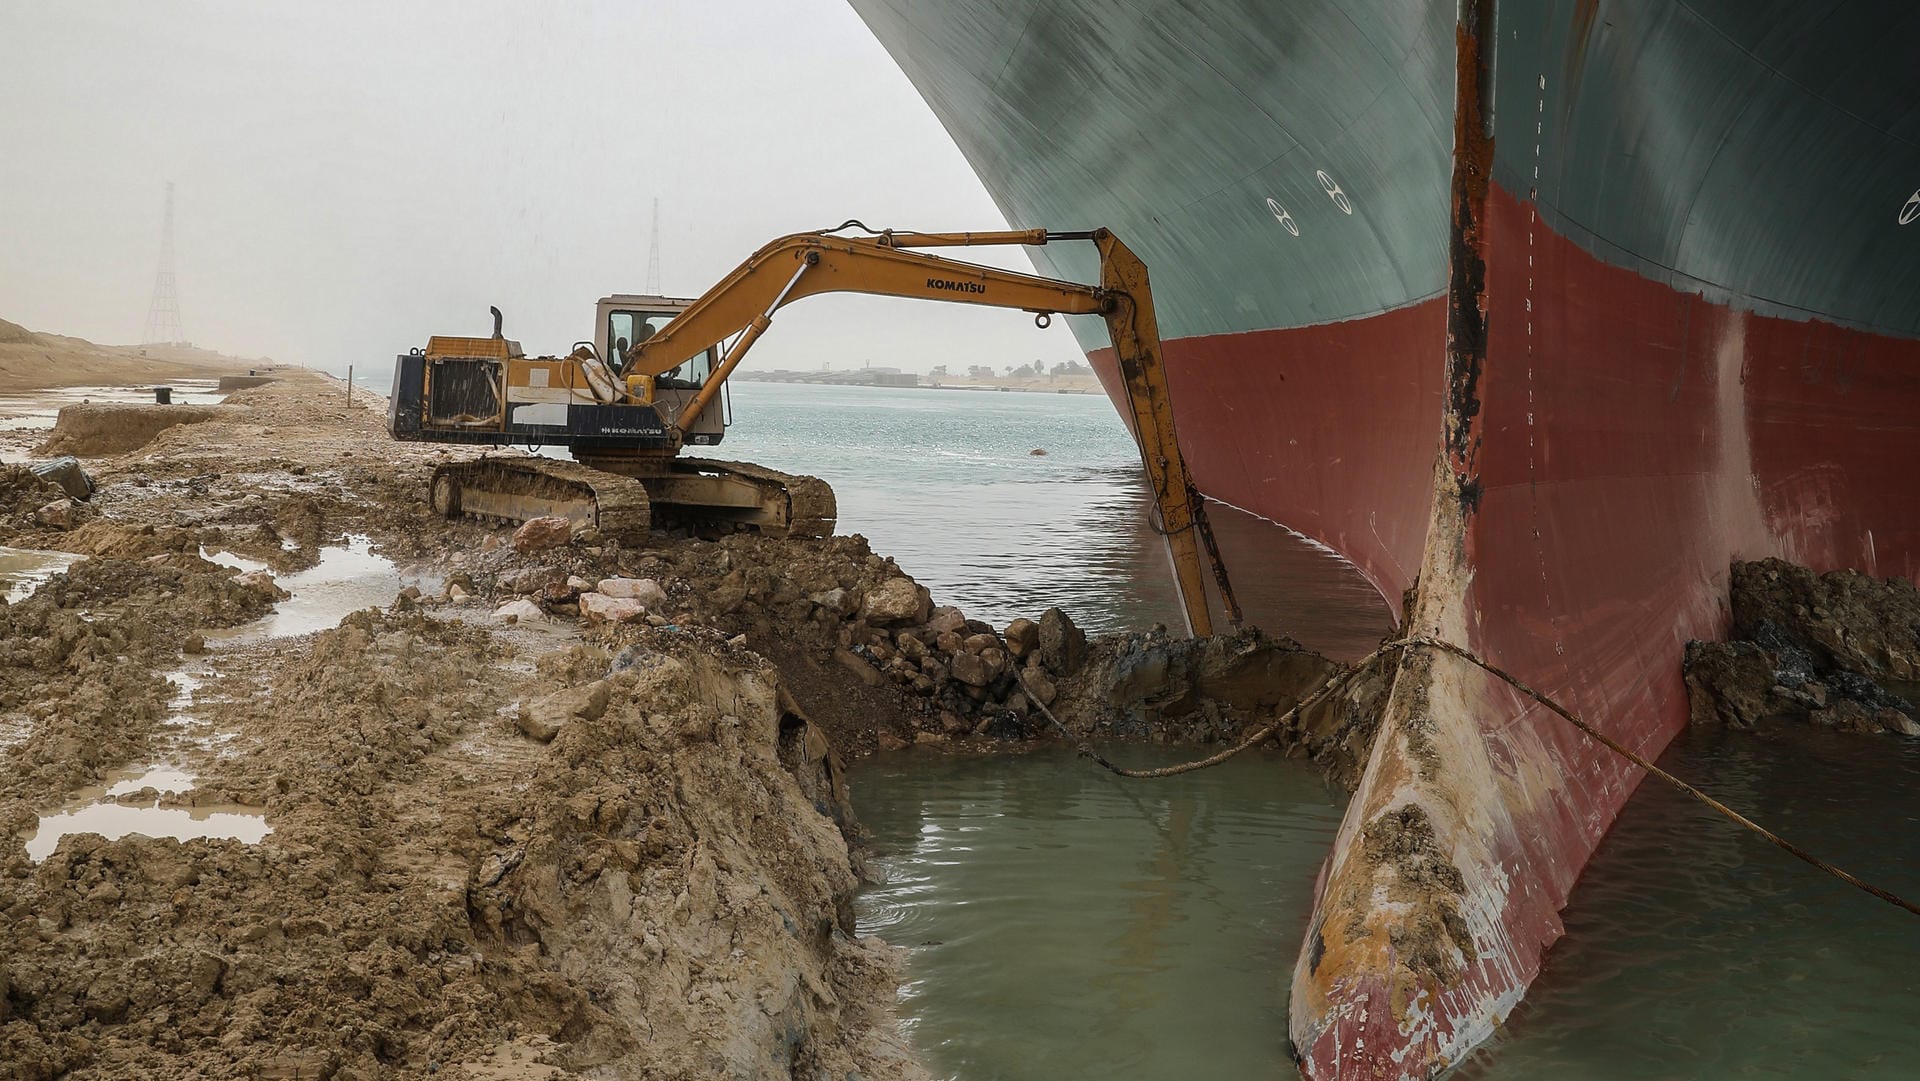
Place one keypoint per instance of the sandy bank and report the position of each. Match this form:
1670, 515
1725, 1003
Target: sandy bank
30, 360
541, 847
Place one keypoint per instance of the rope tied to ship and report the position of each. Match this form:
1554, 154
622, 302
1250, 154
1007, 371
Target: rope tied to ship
1342, 678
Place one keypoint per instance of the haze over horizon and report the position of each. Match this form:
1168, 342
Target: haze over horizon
351, 180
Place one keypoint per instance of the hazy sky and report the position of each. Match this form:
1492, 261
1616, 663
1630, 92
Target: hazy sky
352, 177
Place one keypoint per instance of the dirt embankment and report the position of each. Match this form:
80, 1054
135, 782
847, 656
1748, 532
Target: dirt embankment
96, 429
657, 886
31, 360
1840, 650
551, 846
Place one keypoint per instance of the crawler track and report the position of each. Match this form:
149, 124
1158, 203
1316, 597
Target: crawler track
518, 489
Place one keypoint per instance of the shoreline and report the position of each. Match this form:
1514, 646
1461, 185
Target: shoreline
552, 834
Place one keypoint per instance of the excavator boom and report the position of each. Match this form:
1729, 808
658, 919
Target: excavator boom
741, 306
628, 409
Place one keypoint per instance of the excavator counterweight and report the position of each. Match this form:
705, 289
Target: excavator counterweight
627, 402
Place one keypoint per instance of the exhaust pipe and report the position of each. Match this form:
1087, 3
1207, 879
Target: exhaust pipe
496, 323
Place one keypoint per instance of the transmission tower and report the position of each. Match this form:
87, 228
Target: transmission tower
163, 315
653, 253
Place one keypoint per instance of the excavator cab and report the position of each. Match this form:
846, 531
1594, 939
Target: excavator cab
625, 321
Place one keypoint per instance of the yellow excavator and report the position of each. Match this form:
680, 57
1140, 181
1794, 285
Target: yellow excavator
629, 401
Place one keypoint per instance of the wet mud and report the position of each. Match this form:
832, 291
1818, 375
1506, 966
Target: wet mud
1838, 650
299, 779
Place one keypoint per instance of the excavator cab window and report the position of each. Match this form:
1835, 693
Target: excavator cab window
689, 376
625, 329
619, 336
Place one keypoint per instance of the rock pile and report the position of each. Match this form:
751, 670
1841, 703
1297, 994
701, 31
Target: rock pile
1840, 650
878, 664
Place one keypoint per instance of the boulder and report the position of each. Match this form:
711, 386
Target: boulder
1023, 637
995, 659
600, 608
944, 619
1730, 682
969, 669
950, 642
833, 600
980, 643
911, 647
540, 534
543, 718
896, 600
56, 515
644, 590
519, 611
1040, 687
1063, 646
66, 472
532, 580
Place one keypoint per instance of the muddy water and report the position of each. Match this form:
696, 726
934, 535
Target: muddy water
22, 570
1064, 923
945, 482
346, 579
1696, 951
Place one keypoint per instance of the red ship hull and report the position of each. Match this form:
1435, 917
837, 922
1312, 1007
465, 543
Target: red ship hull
1637, 440
1558, 333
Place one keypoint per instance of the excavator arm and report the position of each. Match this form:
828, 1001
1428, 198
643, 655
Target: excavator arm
741, 307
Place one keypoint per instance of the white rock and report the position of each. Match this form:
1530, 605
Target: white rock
519, 611
600, 608
896, 600
645, 590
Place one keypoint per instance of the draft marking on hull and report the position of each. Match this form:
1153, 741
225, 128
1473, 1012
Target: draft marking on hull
1280, 215
1334, 192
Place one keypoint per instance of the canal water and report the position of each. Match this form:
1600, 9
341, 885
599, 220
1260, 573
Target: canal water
1063, 923
946, 482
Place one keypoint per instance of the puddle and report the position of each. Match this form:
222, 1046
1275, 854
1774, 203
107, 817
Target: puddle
22, 570
161, 779
345, 580
114, 821
238, 563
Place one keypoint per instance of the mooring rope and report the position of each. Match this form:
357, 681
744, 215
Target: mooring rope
1340, 679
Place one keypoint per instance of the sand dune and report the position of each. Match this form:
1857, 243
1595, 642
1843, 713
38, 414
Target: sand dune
30, 360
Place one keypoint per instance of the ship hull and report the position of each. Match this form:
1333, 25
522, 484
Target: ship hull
1639, 303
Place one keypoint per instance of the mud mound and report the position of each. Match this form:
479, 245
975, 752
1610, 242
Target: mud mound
22, 491
1841, 650
79, 664
652, 893
91, 430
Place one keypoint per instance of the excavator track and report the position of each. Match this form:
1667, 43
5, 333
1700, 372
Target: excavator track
507, 489
811, 510
619, 495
